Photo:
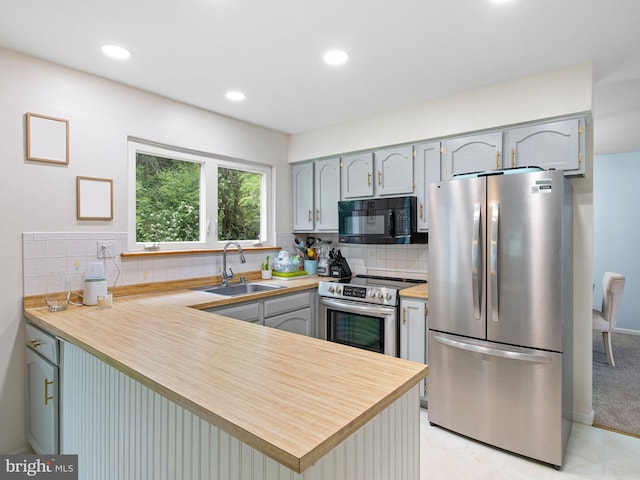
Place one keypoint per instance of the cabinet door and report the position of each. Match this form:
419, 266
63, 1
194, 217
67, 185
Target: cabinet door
302, 195
555, 145
394, 171
413, 334
248, 312
42, 404
327, 194
299, 321
357, 175
475, 153
427, 167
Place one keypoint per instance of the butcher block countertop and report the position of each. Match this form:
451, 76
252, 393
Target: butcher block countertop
419, 291
292, 397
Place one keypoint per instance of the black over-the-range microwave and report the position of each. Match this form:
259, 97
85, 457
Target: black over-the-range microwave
379, 221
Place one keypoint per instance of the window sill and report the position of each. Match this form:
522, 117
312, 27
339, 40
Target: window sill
156, 253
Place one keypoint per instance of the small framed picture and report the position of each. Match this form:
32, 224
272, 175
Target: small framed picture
47, 139
94, 198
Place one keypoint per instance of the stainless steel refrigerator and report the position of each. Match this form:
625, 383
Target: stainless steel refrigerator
501, 309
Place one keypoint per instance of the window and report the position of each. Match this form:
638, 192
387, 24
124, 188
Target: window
167, 199
183, 199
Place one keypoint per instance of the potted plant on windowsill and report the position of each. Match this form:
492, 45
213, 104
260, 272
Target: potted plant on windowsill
265, 271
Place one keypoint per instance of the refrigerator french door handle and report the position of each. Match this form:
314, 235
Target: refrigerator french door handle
494, 250
475, 261
525, 357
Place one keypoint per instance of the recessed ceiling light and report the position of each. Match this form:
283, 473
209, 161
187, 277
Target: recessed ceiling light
235, 96
114, 51
336, 57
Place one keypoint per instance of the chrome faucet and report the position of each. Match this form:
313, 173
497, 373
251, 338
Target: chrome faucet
229, 276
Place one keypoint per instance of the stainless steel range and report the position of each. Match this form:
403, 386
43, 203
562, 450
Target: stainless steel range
363, 311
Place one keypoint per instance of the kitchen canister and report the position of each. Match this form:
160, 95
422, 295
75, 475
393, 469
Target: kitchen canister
311, 266
93, 288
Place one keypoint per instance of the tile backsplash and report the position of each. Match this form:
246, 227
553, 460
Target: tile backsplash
46, 253
395, 258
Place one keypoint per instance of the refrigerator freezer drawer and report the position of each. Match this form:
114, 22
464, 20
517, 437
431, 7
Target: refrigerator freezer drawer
509, 397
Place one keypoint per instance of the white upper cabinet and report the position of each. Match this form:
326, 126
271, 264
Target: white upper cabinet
302, 195
327, 194
475, 153
557, 145
394, 171
357, 175
427, 169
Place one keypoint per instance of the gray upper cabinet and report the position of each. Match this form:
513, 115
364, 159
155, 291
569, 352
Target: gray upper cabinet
327, 194
474, 153
357, 175
408, 169
394, 171
302, 195
557, 145
427, 169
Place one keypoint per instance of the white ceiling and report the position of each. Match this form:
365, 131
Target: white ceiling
401, 52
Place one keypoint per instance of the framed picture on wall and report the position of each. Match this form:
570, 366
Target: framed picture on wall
94, 198
47, 139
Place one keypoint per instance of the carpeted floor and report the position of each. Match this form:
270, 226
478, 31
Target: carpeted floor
616, 390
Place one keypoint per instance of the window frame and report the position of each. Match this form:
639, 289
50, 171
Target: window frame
209, 164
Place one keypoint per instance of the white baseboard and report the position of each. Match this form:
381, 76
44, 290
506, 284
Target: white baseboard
586, 418
627, 330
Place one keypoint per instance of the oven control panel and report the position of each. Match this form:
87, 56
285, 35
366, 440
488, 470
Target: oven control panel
356, 292
374, 295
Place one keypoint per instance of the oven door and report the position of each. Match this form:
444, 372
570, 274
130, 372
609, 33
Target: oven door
362, 325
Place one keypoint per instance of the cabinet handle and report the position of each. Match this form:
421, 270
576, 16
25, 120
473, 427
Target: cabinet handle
368, 179
379, 178
497, 159
404, 315
309, 215
513, 157
46, 391
421, 210
317, 214
35, 343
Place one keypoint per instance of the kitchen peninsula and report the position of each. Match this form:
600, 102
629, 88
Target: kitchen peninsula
153, 388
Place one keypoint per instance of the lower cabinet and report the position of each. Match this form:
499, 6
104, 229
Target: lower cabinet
413, 336
293, 312
42, 391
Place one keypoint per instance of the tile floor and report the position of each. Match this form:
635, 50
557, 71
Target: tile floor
592, 453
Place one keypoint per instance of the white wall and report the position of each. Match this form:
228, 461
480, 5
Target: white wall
547, 95
39, 197
536, 97
616, 232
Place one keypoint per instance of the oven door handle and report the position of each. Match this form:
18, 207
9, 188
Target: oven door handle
352, 307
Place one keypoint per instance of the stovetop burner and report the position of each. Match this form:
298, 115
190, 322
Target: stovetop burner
381, 281
373, 289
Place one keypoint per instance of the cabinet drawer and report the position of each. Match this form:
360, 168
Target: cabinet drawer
42, 342
286, 303
249, 312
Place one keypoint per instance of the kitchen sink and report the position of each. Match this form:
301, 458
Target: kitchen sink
241, 289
